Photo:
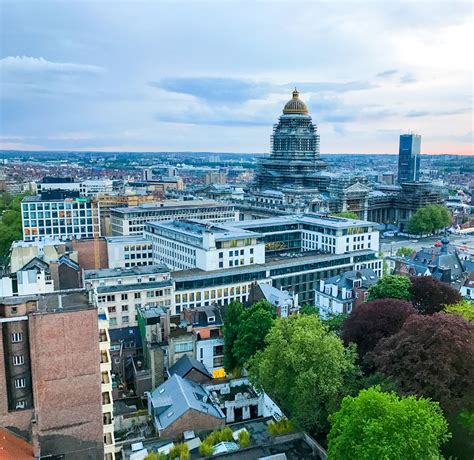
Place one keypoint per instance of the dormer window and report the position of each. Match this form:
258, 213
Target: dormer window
211, 319
357, 283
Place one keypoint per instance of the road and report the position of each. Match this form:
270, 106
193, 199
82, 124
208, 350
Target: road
389, 246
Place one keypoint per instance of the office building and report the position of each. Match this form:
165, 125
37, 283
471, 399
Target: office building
299, 251
123, 290
131, 220
215, 177
59, 214
409, 158
184, 244
51, 374
129, 251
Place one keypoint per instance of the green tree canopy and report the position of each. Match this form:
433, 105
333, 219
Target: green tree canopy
10, 223
231, 326
464, 308
429, 219
404, 251
303, 367
377, 425
255, 322
346, 214
391, 286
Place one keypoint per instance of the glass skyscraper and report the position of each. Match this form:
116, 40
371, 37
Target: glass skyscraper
409, 158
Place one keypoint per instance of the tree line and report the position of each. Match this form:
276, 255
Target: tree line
392, 380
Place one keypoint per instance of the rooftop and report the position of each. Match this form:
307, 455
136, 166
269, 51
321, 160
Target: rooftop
186, 364
198, 228
171, 204
310, 218
67, 300
129, 271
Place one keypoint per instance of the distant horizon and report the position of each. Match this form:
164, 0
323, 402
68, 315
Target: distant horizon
210, 152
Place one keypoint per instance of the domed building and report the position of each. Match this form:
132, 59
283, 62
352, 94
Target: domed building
294, 159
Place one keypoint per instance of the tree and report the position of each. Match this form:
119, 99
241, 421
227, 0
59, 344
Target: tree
303, 367
231, 326
255, 322
404, 251
430, 356
346, 215
179, 451
463, 308
373, 321
377, 425
429, 295
429, 219
391, 286
10, 223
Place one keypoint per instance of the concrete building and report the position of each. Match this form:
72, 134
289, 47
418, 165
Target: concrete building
122, 291
179, 405
342, 293
95, 187
409, 158
50, 374
215, 177
184, 244
58, 214
129, 251
131, 220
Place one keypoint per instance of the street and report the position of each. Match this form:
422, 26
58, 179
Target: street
389, 246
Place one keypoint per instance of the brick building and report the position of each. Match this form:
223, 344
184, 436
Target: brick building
50, 378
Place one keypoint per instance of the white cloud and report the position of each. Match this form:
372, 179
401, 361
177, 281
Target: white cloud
28, 64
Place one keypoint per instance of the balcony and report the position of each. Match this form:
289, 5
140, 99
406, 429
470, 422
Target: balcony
105, 363
109, 440
107, 402
108, 421
106, 382
104, 340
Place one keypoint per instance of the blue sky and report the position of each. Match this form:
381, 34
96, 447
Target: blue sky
213, 76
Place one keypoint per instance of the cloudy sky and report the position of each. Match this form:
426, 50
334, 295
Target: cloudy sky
213, 76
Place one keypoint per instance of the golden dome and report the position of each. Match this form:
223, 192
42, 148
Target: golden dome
295, 105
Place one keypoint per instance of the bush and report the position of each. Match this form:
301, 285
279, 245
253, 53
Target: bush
206, 447
244, 439
155, 456
179, 451
283, 426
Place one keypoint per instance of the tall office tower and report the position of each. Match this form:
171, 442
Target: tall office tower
409, 158
294, 160
147, 174
52, 358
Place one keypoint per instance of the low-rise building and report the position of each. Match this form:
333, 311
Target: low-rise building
178, 405
190, 368
342, 293
285, 303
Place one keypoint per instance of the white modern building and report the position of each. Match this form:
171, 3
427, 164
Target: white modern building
131, 220
95, 187
59, 217
129, 251
123, 290
185, 244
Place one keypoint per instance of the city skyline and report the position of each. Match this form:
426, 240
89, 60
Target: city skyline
123, 78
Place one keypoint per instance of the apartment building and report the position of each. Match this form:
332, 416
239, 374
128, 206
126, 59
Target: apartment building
59, 214
342, 293
129, 251
124, 290
131, 220
185, 244
50, 374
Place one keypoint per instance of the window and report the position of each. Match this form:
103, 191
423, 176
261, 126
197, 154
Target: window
183, 347
18, 360
20, 383
124, 319
17, 337
21, 404
124, 307
137, 295
113, 321
124, 296
112, 309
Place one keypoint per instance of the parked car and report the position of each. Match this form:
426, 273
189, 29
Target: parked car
438, 244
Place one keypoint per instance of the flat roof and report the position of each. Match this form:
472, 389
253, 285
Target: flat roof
66, 300
131, 239
272, 262
129, 271
133, 286
68, 199
310, 218
197, 228
169, 205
